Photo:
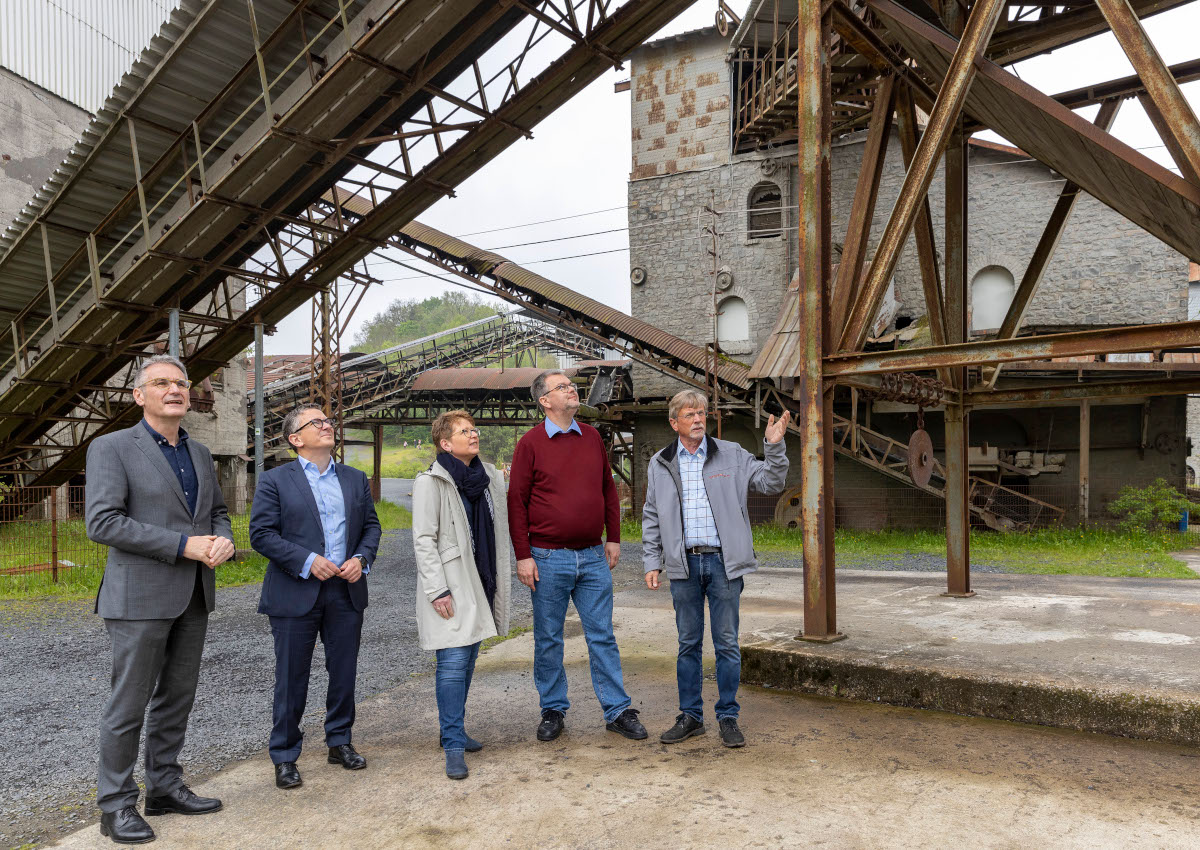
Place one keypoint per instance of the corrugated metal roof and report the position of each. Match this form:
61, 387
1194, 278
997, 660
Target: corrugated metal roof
76, 49
479, 378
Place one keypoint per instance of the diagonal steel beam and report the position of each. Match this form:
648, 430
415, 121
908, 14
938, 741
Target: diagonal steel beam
980, 25
866, 192
1046, 246
1168, 108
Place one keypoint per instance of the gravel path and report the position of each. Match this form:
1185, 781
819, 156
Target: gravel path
55, 669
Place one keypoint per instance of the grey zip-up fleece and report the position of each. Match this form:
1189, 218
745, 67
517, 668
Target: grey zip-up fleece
730, 472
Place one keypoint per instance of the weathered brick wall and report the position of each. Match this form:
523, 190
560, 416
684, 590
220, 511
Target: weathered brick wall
680, 90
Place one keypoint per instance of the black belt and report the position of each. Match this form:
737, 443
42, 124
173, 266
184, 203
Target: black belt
702, 550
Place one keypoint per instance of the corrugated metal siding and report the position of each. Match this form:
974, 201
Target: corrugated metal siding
77, 49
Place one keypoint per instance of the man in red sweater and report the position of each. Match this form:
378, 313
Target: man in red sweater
560, 497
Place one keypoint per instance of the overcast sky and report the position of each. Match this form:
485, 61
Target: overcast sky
577, 165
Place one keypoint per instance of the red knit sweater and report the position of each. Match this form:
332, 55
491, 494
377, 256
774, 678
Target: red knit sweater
561, 493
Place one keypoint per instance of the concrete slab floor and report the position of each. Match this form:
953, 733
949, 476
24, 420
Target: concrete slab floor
815, 772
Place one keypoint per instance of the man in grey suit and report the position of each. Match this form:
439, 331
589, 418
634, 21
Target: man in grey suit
154, 500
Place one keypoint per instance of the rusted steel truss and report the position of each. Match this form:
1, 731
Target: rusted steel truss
371, 385
396, 103
889, 56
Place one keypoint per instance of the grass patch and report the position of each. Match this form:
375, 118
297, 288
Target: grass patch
512, 633
393, 516
1095, 552
399, 461
84, 581
27, 544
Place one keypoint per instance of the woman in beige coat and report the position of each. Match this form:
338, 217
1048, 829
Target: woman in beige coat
460, 535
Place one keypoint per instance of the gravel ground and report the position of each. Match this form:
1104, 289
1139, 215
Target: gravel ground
56, 665
55, 672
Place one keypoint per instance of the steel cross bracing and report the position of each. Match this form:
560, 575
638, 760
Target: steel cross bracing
243, 114
672, 356
373, 384
807, 71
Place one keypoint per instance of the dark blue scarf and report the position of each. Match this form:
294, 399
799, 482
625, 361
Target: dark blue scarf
472, 482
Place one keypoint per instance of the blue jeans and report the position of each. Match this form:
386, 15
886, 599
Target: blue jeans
706, 577
582, 576
455, 667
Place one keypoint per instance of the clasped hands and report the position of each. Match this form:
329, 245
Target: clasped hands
323, 568
209, 549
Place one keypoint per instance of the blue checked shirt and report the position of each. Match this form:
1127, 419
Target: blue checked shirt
699, 527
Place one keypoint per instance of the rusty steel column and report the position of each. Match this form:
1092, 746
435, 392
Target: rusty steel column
816, 398
1085, 459
1168, 109
953, 92
376, 463
958, 513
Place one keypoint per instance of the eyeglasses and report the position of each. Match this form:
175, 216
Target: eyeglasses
163, 383
560, 388
467, 432
320, 423
695, 414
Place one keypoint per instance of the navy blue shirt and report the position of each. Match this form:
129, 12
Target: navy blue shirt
180, 460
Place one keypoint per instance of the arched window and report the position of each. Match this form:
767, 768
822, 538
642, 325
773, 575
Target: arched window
765, 211
733, 321
992, 291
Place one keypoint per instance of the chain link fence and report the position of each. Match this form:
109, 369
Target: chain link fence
44, 545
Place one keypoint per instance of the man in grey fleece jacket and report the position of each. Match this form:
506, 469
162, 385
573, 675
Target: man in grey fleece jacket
695, 524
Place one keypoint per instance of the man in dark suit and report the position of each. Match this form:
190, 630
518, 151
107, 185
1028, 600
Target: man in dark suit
154, 500
315, 521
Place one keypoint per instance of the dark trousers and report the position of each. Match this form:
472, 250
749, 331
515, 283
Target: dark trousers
154, 663
340, 628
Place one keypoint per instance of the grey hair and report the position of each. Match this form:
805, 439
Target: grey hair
538, 388
289, 421
686, 398
140, 377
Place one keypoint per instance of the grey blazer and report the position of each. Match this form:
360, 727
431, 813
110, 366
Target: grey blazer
136, 507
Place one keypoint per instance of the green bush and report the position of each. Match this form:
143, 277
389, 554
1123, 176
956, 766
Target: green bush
1150, 508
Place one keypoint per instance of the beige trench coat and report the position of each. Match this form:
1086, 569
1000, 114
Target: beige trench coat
445, 561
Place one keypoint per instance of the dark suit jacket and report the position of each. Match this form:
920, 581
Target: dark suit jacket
136, 507
285, 527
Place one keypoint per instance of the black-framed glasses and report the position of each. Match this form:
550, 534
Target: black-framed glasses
560, 388
162, 383
320, 423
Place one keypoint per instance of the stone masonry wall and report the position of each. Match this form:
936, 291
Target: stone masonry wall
680, 104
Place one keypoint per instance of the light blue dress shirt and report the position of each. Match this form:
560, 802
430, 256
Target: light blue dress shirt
327, 491
552, 429
699, 527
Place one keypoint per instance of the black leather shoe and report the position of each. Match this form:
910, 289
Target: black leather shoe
685, 727
731, 735
347, 757
286, 775
126, 826
181, 801
551, 726
627, 724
